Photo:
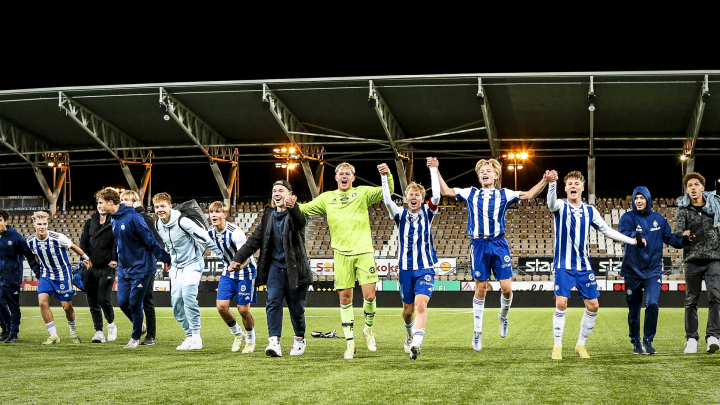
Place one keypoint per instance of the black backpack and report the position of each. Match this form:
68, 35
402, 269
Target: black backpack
191, 209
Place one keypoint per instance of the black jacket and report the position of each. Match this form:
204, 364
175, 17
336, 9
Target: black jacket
151, 224
298, 266
98, 241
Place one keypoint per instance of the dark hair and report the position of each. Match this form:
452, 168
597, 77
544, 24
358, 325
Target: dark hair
108, 194
693, 175
4, 214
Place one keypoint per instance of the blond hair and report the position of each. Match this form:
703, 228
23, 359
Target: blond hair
133, 195
218, 206
40, 215
575, 175
162, 197
416, 186
345, 164
492, 162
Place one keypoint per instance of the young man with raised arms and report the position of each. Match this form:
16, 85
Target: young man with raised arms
490, 253
351, 239
51, 251
573, 219
416, 254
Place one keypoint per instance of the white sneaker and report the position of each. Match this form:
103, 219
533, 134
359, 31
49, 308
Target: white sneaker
132, 344
503, 326
298, 347
408, 344
273, 348
713, 344
196, 342
691, 346
477, 341
112, 332
185, 345
99, 337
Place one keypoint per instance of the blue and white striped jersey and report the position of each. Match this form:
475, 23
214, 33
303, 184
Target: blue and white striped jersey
229, 241
572, 232
486, 209
52, 253
416, 250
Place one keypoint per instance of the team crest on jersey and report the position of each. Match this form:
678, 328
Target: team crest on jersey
353, 195
122, 227
372, 270
9, 243
655, 223
591, 277
428, 277
334, 200
629, 292
242, 288
638, 228
507, 259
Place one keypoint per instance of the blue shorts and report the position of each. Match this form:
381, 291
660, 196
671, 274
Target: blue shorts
585, 282
490, 254
63, 290
415, 282
243, 290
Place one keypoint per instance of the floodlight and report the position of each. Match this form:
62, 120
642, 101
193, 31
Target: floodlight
276, 150
523, 156
520, 167
511, 156
283, 150
291, 150
51, 164
511, 167
292, 165
683, 157
283, 165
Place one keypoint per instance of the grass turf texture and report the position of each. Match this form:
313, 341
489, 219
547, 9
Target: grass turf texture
516, 369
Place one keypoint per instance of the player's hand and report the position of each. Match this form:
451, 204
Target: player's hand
113, 264
245, 263
88, 264
687, 236
383, 169
550, 176
232, 266
433, 162
290, 201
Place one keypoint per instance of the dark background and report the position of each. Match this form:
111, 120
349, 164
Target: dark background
85, 44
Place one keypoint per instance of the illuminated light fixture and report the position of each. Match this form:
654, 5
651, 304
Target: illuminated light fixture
291, 166
504, 156
511, 156
511, 167
283, 150
283, 165
277, 164
291, 150
519, 167
683, 158
523, 156
276, 150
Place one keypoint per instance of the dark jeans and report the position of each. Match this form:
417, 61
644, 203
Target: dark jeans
131, 292
694, 276
633, 295
98, 289
10, 309
278, 288
149, 308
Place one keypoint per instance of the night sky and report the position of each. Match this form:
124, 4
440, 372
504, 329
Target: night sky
55, 45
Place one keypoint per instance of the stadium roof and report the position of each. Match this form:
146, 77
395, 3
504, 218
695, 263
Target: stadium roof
361, 118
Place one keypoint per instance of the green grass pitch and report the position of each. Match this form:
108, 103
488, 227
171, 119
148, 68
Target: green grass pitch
516, 369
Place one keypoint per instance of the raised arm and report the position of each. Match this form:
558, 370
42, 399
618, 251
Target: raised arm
549, 176
375, 194
392, 208
552, 201
296, 216
314, 207
435, 184
444, 189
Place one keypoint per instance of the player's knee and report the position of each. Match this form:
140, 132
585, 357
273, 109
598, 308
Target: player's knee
421, 307
592, 306
369, 297
222, 308
651, 306
244, 310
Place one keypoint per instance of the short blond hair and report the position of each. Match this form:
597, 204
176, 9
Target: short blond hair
492, 162
345, 164
574, 175
162, 197
135, 196
218, 206
40, 215
416, 186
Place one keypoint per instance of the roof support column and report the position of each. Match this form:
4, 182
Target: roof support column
144, 181
392, 130
694, 126
309, 176
319, 175
591, 158
51, 195
489, 121
591, 180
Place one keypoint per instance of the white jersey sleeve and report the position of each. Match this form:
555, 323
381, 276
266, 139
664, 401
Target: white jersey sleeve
552, 201
462, 193
600, 224
435, 184
238, 237
392, 208
64, 241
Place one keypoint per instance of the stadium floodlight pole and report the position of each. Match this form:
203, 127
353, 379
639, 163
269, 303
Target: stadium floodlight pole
21, 142
107, 135
394, 134
296, 132
591, 156
202, 135
693, 128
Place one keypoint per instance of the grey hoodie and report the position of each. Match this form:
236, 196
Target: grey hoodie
185, 240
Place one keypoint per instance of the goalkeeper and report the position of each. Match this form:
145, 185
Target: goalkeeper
350, 237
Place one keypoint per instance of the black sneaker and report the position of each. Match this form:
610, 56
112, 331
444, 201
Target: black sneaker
649, 349
149, 341
11, 340
637, 348
4, 335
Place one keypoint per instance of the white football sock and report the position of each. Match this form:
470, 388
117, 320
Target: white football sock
409, 328
73, 327
478, 308
250, 335
51, 328
505, 304
418, 337
586, 326
558, 326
